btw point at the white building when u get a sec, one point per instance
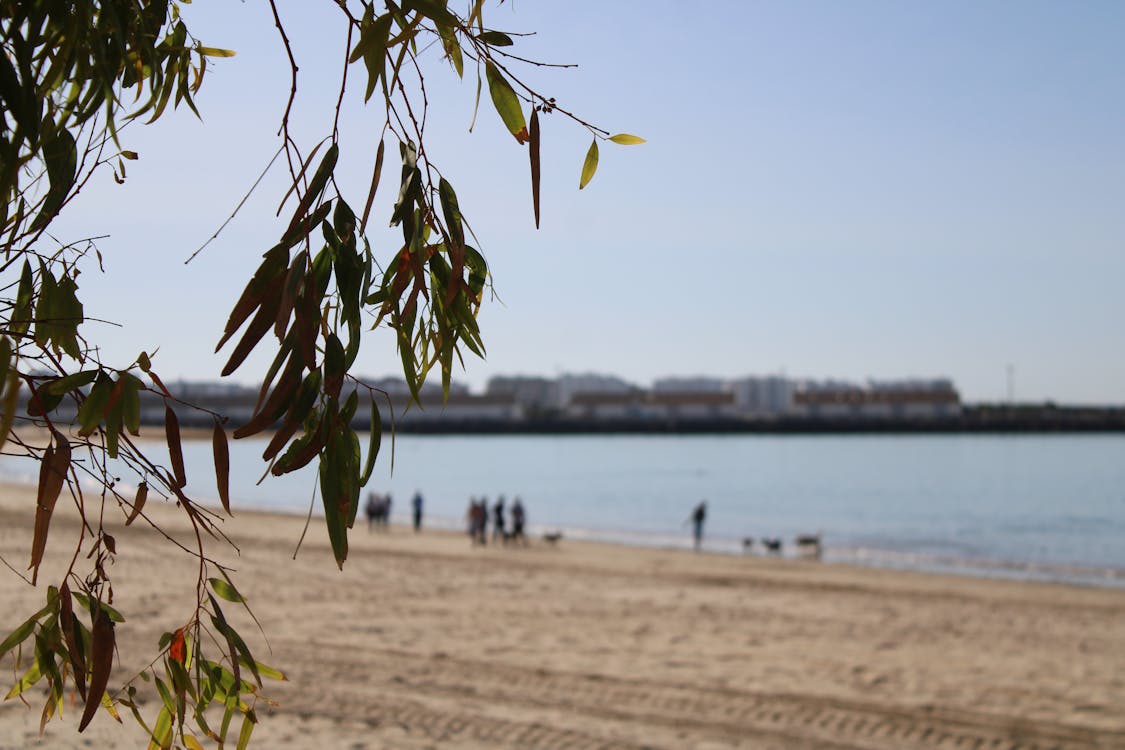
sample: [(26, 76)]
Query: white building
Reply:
[(766, 396), (534, 394)]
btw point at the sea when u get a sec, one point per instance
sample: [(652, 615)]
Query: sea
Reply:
[(1046, 507)]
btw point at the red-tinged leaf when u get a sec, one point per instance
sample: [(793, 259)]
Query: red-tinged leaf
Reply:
[(159, 383), (52, 473), (280, 438), (138, 503), (277, 402), (262, 322), (222, 464), (177, 649), (258, 289), (533, 151), (175, 447), (101, 662), (69, 627)]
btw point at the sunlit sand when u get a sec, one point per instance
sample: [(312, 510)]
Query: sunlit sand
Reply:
[(423, 641)]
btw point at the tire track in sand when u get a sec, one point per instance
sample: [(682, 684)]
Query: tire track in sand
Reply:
[(723, 716)]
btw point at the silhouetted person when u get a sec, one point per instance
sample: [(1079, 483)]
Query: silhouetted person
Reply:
[(475, 517), (371, 509), (518, 519), (498, 526), (417, 503), (698, 516), (482, 519)]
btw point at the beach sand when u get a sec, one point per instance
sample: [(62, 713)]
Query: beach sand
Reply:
[(425, 642)]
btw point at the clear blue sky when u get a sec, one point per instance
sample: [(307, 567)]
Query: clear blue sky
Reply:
[(849, 190)]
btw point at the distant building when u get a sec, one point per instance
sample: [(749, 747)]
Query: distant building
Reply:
[(396, 386), (648, 405), (460, 407), (691, 405), (905, 399), (536, 395), (694, 384), (763, 397), (571, 385)]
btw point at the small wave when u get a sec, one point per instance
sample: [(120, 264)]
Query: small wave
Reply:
[(991, 567)]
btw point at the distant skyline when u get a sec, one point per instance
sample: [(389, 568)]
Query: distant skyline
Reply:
[(835, 190)]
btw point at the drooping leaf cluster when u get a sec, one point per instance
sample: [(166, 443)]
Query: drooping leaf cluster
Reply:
[(74, 76)]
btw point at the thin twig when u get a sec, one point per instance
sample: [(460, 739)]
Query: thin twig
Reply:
[(238, 207)]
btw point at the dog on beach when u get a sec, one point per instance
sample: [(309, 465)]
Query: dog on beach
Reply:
[(809, 544), (772, 545), (552, 538)]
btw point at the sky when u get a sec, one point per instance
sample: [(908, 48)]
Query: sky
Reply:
[(828, 190)]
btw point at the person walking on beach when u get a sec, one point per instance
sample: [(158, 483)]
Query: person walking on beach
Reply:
[(518, 518), (482, 520), (475, 519), (385, 512), (371, 508), (417, 503), (697, 517), (498, 527)]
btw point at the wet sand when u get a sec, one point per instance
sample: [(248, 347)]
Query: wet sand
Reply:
[(423, 641)]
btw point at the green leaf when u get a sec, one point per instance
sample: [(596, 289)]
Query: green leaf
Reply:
[(495, 38), (332, 497), (85, 601), (90, 413), (226, 590), (267, 671), (451, 212), (60, 154), (130, 404), (216, 52), (373, 40), (506, 102), (625, 139), (476, 103), (162, 734), (19, 635), (374, 441), (68, 383), (590, 165), (21, 313), (29, 678), (247, 727)]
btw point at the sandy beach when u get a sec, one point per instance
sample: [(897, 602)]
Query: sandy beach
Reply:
[(423, 641)]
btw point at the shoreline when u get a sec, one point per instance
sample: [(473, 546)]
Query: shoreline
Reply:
[(865, 555), (423, 641)]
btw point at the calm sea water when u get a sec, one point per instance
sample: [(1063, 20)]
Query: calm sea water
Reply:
[(1036, 506)]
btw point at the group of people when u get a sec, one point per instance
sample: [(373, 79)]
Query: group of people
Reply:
[(378, 510), (477, 521)]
